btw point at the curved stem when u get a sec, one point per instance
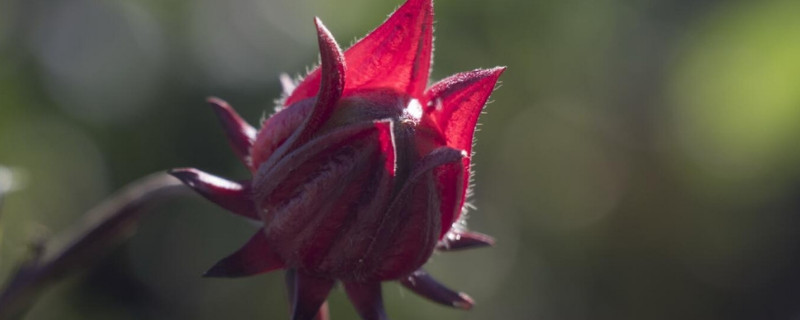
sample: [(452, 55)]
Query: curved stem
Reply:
[(104, 226)]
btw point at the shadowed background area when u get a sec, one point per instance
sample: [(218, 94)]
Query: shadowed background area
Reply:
[(640, 160)]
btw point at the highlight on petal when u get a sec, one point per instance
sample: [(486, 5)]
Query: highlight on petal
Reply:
[(230, 195), (421, 283), (461, 240), (367, 299), (287, 84), (387, 146), (308, 295), (240, 134), (396, 55), (253, 258)]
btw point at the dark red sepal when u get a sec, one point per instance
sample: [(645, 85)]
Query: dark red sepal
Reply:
[(240, 134), (330, 90), (230, 195), (462, 240), (291, 283), (255, 257), (421, 283), (367, 299), (308, 294)]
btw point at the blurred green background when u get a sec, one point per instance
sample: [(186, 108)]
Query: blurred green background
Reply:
[(640, 161)]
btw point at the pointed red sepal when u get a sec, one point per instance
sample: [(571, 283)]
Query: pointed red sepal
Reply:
[(240, 134), (307, 294), (456, 102), (330, 90), (421, 283), (255, 257), (454, 105), (230, 195), (462, 240), (331, 85), (367, 299), (396, 55)]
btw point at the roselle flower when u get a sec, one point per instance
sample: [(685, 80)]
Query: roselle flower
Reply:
[(361, 173)]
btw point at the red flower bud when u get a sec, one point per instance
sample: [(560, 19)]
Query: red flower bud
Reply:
[(361, 174)]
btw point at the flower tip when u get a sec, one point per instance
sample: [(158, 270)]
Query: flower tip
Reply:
[(240, 134), (498, 70), (492, 73), (466, 302), (326, 40), (217, 102), (185, 175), (231, 195), (462, 240), (332, 82), (329, 48), (427, 5), (215, 272), (479, 239)]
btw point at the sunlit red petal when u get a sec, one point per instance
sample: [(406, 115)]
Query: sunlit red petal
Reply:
[(240, 134), (456, 102), (454, 105), (233, 196), (421, 283), (462, 240), (396, 55), (367, 299), (255, 257)]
